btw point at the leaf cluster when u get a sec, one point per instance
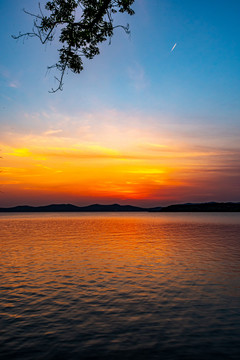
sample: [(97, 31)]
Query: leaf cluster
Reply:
[(83, 25)]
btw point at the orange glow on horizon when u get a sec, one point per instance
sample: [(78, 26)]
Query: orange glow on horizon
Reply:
[(51, 167)]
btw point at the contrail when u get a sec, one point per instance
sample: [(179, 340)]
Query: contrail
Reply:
[(174, 47)]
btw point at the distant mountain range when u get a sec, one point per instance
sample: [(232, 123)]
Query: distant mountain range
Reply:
[(202, 207)]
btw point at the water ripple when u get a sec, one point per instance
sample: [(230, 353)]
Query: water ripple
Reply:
[(131, 286)]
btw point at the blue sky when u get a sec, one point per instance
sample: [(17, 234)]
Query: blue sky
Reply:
[(200, 76), (189, 95)]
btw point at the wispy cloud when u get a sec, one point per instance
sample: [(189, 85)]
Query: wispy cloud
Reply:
[(14, 84), (53, 132), (137, 77)]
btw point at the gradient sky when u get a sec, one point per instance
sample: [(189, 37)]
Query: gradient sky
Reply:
[(146, 123)]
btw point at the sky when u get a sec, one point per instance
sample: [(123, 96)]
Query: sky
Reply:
[(153, 120)]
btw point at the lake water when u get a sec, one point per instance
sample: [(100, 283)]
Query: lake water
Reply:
[(120, 286)]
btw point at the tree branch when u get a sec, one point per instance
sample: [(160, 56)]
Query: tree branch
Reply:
[(78, 38)]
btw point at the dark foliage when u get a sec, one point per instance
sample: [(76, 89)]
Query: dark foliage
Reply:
[(82, 25)]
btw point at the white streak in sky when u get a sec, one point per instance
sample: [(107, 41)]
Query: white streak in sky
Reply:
[(174, 47)]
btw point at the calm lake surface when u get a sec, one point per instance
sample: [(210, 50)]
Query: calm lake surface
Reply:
[(120, 286)]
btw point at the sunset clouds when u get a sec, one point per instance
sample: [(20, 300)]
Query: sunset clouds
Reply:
[(114, 161)]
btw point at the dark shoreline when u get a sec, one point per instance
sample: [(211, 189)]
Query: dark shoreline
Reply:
[(202, 207)]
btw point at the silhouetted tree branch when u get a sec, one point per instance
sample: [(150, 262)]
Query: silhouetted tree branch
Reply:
[(83, 24)]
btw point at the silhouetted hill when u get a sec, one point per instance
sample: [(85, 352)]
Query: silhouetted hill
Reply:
[(113, 207), (73, 208), (202, 207)]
